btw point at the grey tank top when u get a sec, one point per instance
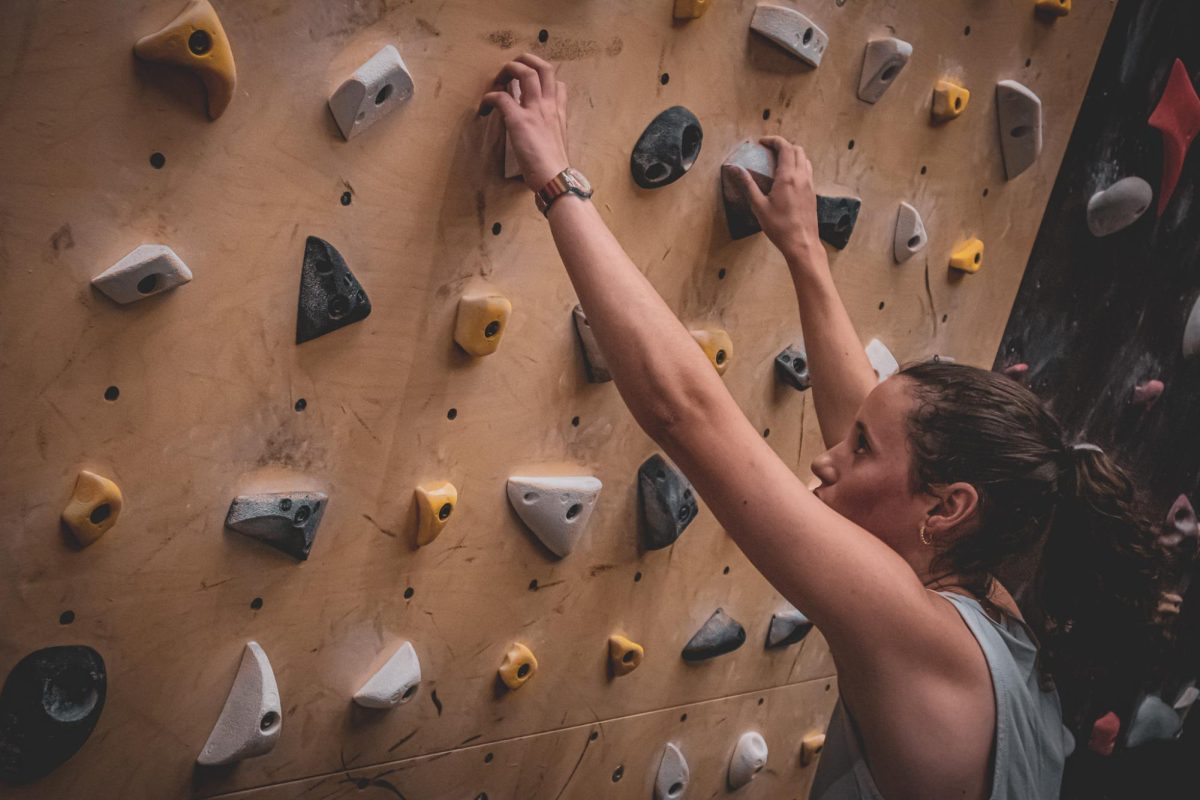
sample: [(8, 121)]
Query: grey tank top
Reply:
[(1030, 743)]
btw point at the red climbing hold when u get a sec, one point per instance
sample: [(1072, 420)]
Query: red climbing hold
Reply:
[(1104, 734), (1177, 115), (1146, 393), (1016, 371)]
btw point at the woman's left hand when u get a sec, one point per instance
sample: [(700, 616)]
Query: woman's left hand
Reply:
[(537, 123)]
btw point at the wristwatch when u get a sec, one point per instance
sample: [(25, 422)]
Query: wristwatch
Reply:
[(569, 180)]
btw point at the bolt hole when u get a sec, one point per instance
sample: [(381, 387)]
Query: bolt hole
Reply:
[(913, 242), (720, 356), (285, 504), (301, 404), (157, 160), (808, 35), (256, 603), (496, 228), (383, 94), (850, 145), (958, 104), (766, 432), (664, 79), (889, 73), (1028, 62), (200, 42), (302, 515), (978, 257), (147, 284), (522, 670), (924, 169), (683, 717), (985, 192), (628, 657), (346, 198), (324, 266), (575, 422), (533, 585), (945, 317), (444, 511), (409, 692), (492, 329), (1021, 131), (574, 510), (766, 113), (967, 31), (452, 413), (594, 736), (721, 274), (637, 576), (112, 393), (339, 306), (618, 773), (543, 35), (676, 789), (66, 618), (268, 721), (487, 759), (408, 593), (760, 700), (100, 513), (881, 305), (725, 571), (684, 513), (657, 171)]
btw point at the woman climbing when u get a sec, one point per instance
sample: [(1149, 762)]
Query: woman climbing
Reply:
[(939, 485)]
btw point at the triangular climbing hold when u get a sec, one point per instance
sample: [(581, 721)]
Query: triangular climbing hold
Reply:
[(252, 718), (146, 270), (1177, 115), (671, 779), (1019, 114), (378, 86), (882, 61), (721, 634), (795, 33), (749, 758), (196, 40), (556, 509), (787, 627), (910, 237), (666, 501), (330, 296), (286, 521), (836, 217), (396, 682), (791, 367)]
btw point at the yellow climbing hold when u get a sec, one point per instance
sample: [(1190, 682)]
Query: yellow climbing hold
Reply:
[(93, 508), (624, 655), (482, 318), (969, 256), (195, 40), (949, 100), (435, 504), (811, 747), (693, 9), (1052, 8), (717, 345), (518, 666)]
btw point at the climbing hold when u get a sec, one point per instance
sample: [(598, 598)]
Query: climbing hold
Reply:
[(836, 217), (1181, 525), (556, 509), (749, 757), (330, 296), (593, 358), (671, 780), (195, 40), (1118, 206), (1104, 734), (717, 345), (435, 504), (666, 502), (759, 161), (666, 149), (147, 270), (1146, 393), (1052, 8), (1191, 332), (968, 256), (787, 627), (1177, 116), (811, 747), (882, 360), (518, 666), (791, 367), (624, 655), (1016, 371), (791, 30), (721, 634), (1068, 741), (395, 683), (512, 167), (287, 521), (252, 718), (1153, 721), (911, 236), (691, 9), (50, 704), (93, 508), (949, 100), (482, 318), (377, 87), (882, 61), (1019, 112)]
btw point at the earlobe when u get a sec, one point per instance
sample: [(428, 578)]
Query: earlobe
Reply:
[(958, 503)]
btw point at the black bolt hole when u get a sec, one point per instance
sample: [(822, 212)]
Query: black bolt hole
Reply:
[(725, 571), (721, 274), (766, 113), (492, 329), (200, 42), (100, 513), (593, 736), (408, 593), (66, 618), (522, 670), (269, 720), (690, 145), (850, 145), (383, 94), (409, 692), (683, 717), (147, 284), (487, 759), (157, 160), (766, 432), (444, 511), (496, 228), (924, 169), (575, 422), (112, 393), (664, 79), (574, 510), (543, 35), (808, 35), (914, 241), (657, 171), (618, 773), (339, 306), (889, 73), (761, 700), (533, 585), (452, 413), (881, 305), (302, 515), (256, 603), (637, 576), (967, 31), (628, 657), (720, 356), (346, 198), (301, 404)]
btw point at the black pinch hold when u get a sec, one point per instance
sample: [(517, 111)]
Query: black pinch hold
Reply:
[(667, 149), (836, 217), (666, 503), (49, 707), (791, 367), (720, 635), (330, 296), (286, 521)]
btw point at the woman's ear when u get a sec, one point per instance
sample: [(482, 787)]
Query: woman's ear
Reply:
[(958, 503)]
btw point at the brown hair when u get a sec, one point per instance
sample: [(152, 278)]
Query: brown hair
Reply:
[(1092, 596)]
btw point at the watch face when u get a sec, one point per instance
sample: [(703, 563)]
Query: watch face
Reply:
[(576, 179)]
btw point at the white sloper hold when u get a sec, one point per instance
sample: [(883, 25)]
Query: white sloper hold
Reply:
[(396, 681), (791, 30), (787, 627), (1118, 206), (882, 61), (1019, 112), (882, 360), (749, 757), (911, 236), (557, 509), (147, 270), (1153, 721), (252, 718), (671, 780), (1191, 332), (377, 87)]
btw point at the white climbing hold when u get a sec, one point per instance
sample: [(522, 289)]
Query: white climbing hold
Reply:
[(1019, 112), (147, 270), (787, 627), (1186, 699), (671, 780), (882, 61), (1153, 721), (512, 167), (791, 30), (252, 718), (1191, 332), (377, 87), (749, 757), (396, 681), (1118, 206), (882, 360), (557, 509), (911, 236)]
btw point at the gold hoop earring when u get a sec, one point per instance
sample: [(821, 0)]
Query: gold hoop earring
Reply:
[(925, 537)]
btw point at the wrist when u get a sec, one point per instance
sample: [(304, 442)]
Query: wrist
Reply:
[(804, 257)]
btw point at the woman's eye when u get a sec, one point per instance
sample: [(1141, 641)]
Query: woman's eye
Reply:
[(860, 444)]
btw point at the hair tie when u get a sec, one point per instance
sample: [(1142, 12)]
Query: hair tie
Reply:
[(1086, 446)]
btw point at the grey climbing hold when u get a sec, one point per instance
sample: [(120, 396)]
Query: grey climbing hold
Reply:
[(1019, 112), (791, 367), (787, 627), (671, 779), (593, 358), (556, 509), (759, 161), (330, 296), (666, 501), (882, 61), (378, 86), (287, 521), (749, 758), (1191, 332), (791, 30), (50, 704), (1118, 206), (911, 236), (666, 149), (836, 217), (252, 717), (720, 635), (145, 271), (1153, 721)]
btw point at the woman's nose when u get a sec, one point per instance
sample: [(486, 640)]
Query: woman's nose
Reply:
[(822, 467)]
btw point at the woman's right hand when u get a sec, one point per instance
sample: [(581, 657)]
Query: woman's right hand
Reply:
[(788, 215), (537, 123)]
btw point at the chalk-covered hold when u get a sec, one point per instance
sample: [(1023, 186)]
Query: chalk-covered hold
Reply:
[(721, 634), (949, 100), (94, 507), (717, 345), (1019, 112), (146, 270), (910, 237), (1118, 206), (787, 627), (252, 718), (968, 256), (883, 59), (330, 295), (759, 161), (288, 521), (593, 357), (882, 360), (396, 681), (518, 666), (671, 779), (666, 502), (791, 367), (836, 217), (624, 655), (749, 758), (791, 30), (377, 87), (1153, 721), (556, 509), (196, 40), (667, 149)]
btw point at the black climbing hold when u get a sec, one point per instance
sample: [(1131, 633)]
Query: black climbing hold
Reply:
[(330, 296), (720, 635), (667, 148), (286, 521), (836, 217), (666, 502), (791, 366), (50, 704)]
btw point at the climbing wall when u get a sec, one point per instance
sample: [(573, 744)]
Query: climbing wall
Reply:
[(192, 397)]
